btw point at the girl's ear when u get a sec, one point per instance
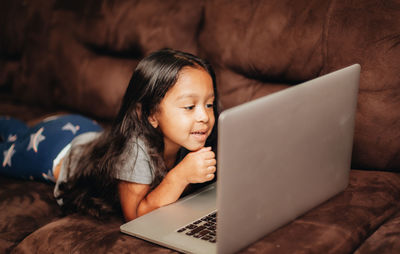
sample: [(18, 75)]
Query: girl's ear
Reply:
[(153, 121)]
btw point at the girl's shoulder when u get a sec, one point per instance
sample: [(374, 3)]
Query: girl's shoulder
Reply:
[(136, 146), (141, 143)]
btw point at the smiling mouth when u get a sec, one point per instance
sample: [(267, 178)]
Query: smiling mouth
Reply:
[(200, 135)]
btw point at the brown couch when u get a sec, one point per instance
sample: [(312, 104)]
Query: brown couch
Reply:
[(61, 56)]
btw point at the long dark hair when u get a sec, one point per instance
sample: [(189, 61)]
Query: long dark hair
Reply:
[(93, 188)]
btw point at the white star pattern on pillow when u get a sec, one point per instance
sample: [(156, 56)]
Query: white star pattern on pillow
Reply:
[(12, 138), (8, 155), (70, 127), (36, 138)]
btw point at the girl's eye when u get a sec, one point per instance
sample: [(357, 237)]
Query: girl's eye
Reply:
[(189, 107), (210, 105)]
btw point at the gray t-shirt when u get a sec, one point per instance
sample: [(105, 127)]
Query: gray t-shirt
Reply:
[(134, 164)]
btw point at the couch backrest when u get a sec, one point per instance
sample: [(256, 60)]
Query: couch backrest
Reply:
[(80, 55), (258, 47)]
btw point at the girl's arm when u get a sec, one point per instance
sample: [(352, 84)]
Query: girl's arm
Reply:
[(130, 195), (137, 199)]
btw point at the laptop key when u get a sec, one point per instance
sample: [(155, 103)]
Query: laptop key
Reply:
[(198, 229), (191, 226), (204, 228), (206, 238)]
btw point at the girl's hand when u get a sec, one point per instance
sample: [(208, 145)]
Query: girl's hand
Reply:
[(198, 167)]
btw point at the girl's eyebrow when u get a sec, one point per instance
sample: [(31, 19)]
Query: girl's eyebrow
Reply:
[(195, 96)]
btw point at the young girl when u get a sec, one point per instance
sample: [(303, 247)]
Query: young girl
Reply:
[(161, 142)]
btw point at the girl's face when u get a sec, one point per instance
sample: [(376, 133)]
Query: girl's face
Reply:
[(186, 115)]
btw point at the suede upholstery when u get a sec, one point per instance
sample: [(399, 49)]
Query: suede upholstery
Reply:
[(265, 46), (59, 56)]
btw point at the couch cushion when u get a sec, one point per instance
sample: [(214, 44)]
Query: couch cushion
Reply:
[(339, 225), (30, 114), (79, 234), (260, 47), (86, 53), (25, 206), (16, 20), (385, 240), (365, 33)]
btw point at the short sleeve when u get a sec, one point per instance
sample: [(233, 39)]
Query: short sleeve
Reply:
[(135, 165)]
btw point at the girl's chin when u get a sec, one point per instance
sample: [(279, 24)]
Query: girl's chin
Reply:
[(194, 148)]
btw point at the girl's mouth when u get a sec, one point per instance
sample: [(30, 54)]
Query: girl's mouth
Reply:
[(199, 132), (199, 135)]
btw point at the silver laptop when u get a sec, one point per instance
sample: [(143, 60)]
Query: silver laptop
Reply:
[(278, 157)]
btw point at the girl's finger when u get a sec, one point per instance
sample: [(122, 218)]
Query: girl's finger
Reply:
[(210, 177), (211, 162), (211, 169)]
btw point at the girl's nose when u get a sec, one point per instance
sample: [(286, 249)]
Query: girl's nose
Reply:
[(202, 115)]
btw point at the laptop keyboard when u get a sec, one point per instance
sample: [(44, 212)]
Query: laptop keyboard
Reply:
[(204, 228)]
